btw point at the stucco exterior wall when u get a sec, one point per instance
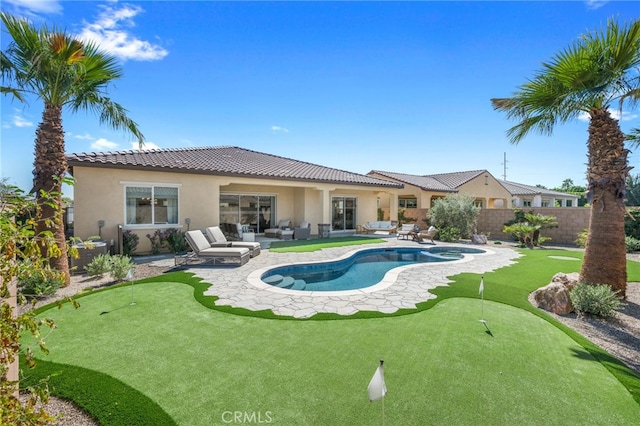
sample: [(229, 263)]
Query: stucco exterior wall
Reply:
[(487, 189), (99, 194)]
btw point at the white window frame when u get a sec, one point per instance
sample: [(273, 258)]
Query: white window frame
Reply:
[(153, 224)]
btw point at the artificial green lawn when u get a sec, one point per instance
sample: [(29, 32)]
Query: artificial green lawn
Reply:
[(441, 366), (299, 246)]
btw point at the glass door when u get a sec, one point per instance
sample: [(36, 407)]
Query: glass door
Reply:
[(343, 213)]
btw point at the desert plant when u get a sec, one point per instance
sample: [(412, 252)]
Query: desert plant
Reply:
[(175, 240), (449, 235), (130, 242), (120, 266), (632, 244), (599, 300), (99, 265), (455, 211), (40, 283), (523, 232), (156, 241), (581, 241)]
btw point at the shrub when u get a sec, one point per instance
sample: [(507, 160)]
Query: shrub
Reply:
[(130, 242), (99, 266), (599, 300), (581, 241), (455, 211), (632, 244), (120, 266), (176, 241), (40, 283), (449, 235)]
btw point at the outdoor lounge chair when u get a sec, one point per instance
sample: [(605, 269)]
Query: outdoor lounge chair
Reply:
[(202, 250), (407, 230), (427, 235), (217, 239), (302, 232)]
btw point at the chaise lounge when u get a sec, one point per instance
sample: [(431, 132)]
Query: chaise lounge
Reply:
[(224, 255), (217, 239), (407, 230)]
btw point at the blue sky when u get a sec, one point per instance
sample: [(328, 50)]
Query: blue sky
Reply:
[(394, 86)]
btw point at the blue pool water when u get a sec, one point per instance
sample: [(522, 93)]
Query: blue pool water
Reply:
[(363, 269)]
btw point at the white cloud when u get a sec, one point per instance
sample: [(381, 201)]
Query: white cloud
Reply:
[(146, 147), (110, 34), (31, 7), (596, 4), (278, 129), (20, 121), (86, 137), (103, 144), (615, 113)]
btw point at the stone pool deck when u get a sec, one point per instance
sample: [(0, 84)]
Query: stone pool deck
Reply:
[(404, 287)]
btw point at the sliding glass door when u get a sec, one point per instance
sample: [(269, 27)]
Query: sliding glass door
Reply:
[(343, 213), (255, 211)]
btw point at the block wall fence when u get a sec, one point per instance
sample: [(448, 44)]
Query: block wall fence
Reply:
[(571, 221)]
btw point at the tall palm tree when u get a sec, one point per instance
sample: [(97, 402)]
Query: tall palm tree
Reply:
[(63, 72), (599, 69)]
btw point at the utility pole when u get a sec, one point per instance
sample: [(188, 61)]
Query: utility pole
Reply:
[(504, 164)]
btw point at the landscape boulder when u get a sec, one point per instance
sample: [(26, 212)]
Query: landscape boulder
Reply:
[(554, 297)]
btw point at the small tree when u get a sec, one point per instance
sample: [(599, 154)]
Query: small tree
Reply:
[(455, 211), (20, 255)]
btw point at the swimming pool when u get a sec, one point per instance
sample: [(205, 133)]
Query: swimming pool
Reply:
[(363, 269)]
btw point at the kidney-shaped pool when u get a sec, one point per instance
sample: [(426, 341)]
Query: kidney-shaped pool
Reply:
[(363, 269)]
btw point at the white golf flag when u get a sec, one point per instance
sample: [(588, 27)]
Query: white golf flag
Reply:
[(377, 388), (481, 286)]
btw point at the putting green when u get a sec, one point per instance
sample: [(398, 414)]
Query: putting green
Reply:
[(202, 366)]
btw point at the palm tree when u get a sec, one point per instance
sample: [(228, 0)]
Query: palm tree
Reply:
[(64, 73), (598, 69)]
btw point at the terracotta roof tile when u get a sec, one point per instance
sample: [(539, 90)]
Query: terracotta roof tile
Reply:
[(223, 160)]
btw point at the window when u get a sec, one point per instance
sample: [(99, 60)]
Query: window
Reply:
[(478, 203), (408, 203), (526, 203), (151, 205)]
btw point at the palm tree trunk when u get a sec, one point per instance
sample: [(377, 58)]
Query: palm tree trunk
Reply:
[(50, 166), (605, 260)]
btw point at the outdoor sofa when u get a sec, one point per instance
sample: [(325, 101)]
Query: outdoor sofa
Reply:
[(380, 226)]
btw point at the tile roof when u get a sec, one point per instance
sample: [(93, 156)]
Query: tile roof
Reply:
[(225, 161), (450, 182), (527, 190), (444, 182)]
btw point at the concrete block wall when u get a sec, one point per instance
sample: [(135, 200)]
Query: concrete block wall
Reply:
[(571, 221)]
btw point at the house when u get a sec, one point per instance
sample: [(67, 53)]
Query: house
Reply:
[(420, 192), (533, 196), (194, 188)]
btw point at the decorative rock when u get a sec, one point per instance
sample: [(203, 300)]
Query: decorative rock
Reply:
[(554, 297), (478, 239)]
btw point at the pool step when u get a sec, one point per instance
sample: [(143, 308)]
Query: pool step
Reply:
[(299, 285), (273, 279), (286, 282)]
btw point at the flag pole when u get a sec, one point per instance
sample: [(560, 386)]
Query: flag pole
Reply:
[(382, 367), (481, 291)]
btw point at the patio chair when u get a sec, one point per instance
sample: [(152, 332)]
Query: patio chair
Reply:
[(217, 239), (427, 235), (407, 230), (302, 232), (202, 250)]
